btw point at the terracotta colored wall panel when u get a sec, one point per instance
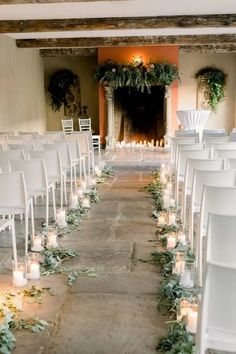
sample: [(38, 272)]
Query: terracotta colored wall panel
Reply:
[(148, 53)]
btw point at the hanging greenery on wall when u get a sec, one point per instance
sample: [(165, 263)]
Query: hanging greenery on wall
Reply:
[(63, 87), (212, 84), (136, 74)]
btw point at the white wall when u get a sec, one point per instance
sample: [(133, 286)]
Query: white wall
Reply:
[(189, 64), (22, 98)]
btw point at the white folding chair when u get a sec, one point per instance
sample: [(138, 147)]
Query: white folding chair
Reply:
[(221, 240), (14, 199), (6, 156), (24, 146), (209, 141), (33, 134), (86, 149), (183, 133), (179, 140), (217, 319), (232, 136), (76, 155), (213, 132), (36, 181), (84, 124), (183, 156), (214, 200), (231, 163), (225, 153), (221, 178), (186, 146), (67, 126), (53, 165), (199, 164)]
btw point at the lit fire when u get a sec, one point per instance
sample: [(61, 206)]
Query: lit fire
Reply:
[(140, 144)]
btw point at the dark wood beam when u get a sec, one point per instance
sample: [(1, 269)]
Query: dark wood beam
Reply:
[(126, 41), (68, 52), (213, 48), (88, 24)]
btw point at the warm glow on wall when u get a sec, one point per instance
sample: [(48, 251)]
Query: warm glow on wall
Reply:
[(137, 60)]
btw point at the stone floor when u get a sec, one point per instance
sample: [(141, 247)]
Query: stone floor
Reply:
[(114, 312)]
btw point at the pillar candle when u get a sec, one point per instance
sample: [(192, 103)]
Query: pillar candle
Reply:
[(192, 321), (171, 242)]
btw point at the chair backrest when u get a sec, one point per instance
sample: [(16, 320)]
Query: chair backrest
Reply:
[(51, 159), (213, 132), (218, 310), (64, 151), (6, 156), (25, 146), (220, 178), (185, 154), (50, 137), (74, 147), (33, 134), (226, 153), (232, 163), (13, 191), (67, 126), (183, 133), (84, 124), (200, 164), (83, 142), (220, 199), (221, 240), (34, 172), (217, 139), (232, 136), (179, 140), (186, 146), (38, 143), (22, 137)]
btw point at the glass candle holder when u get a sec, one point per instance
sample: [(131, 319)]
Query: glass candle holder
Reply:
[(83, 186), (172, 219), (74, 200), (179, 264), (80, 193), (192, 319), (37, 243), (181, 237), (61, 218), (52, 237), (161, 219), (85, 203), (92, 182), (97, 171), (171, 241), (187, 277), (20, 272), (33, 266), (184, 307)]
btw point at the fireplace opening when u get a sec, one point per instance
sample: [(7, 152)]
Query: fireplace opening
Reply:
[(139, 115)]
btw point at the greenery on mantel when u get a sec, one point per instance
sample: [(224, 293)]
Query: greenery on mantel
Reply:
[(212, 83), (136, 74), (60, 86)]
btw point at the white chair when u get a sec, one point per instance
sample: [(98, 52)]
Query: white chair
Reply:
[(36, 181), (221, 240), (183, 133), (6, 156), (25, 147), (33, 134), (53, 165), (14, 199), (186, 146), (23, 137), (49, 137), (231, 163), (232, 136), (213, 132), (76, 155), (67, 126), (199, 164), (181, 165), (10, 223), (84, 124), (209, 141), (225, 153), (221, 178), (179, 140), (86, 149), (217, 319), (214, 200)]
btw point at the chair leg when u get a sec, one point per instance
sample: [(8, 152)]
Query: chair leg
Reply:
[(54, 203), (13, 235), (75, 185), (26, 230), (32, 217), (61, 191), (71, 177), (47, 208), (64, 185), (84, 170)]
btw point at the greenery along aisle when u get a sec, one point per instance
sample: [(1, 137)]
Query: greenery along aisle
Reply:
[(177, 295)]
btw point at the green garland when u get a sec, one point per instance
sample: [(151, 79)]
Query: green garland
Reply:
[(136, 75), (212, 82)]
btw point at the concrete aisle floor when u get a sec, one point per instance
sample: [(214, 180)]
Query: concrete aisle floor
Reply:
[(115, 312)]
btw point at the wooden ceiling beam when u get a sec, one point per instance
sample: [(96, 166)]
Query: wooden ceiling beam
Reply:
[(68, 52), (213, 48), (112, 23), (126, 41)]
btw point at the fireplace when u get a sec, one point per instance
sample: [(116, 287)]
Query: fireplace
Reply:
[(139, 116), (133, 115)]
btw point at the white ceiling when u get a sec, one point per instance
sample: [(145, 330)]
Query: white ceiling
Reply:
[(128, 8)]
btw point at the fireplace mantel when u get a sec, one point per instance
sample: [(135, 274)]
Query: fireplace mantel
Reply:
[(110, 137)]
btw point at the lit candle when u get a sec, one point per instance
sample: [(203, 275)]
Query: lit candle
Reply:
[(18, 278), (37, 243), (157, 143), (185, 279), (169, 187), (34, 271), (163, 179), (74, 200), (172, 218), (52, 240), (161, 220), (172, 202), (152, 142), (83, 185), (80, 192), (192, 321), (86, 203), (185, 307), (171, 242), (97, 171), (179, 267), (92, 182), (61, 218), (163, 165)]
